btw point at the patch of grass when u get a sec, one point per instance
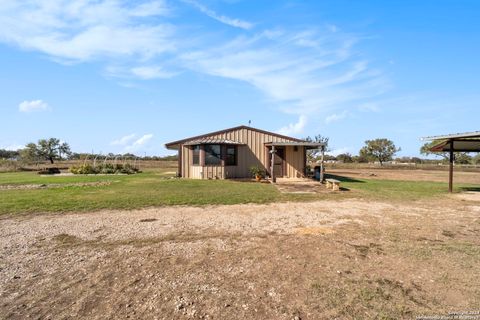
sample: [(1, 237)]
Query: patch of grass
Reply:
[(367, 298), (465, 252), (397, 189), (126, 192), (154, 188)]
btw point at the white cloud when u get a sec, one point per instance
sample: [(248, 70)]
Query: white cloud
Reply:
[(81, 30), (123, 140), (338, 151), (294, 128), (336, 117), (144, 139), (369, 107), (307, 73), (233, 22), (13, 147), (151, 72), (33, 105), (137, 144)]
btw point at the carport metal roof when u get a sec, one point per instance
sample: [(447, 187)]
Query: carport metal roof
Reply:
[(457, 142)]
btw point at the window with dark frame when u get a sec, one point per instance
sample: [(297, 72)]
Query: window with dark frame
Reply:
[(196, 155), (213, 154), (231, 156)]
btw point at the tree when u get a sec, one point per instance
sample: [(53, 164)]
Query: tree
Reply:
[(313, 154), (345, 158), (379, 149), (463, 158), (476, 159), (8, 154), (29, 153), (51, 149)]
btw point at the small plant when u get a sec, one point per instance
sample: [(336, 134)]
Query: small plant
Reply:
[(107, 168), (257, 172)]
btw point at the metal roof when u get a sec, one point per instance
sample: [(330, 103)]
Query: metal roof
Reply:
[(175, 144), (472, 145), (211, 141), (457, 142), (474, 134)]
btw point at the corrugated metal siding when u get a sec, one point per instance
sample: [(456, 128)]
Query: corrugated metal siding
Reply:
[(196, 172), (253, 153), (295, 162)]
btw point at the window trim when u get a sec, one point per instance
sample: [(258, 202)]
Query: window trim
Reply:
[(199, 155)]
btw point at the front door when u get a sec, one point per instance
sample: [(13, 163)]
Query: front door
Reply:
[(279, 162)]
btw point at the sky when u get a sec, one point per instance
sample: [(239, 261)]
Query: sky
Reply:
[(129, 76)]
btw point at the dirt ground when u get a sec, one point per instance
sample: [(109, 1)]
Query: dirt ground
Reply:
[(408, 175), (348, 259)]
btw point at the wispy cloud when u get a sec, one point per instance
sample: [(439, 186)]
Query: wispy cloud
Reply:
[(33, 105), (151, 72), (369, 107), (336, 117), (137, 144), (308, 73), (233, 22), (294, 128), (123, 140), (79, 30)]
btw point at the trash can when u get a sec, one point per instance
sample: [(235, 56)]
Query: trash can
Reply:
[(317, 173)]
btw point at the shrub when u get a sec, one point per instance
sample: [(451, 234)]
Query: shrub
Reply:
[(257, 171), (84, 169), (107, 168)]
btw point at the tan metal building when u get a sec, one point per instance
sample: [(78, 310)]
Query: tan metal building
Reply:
[(230, 153)]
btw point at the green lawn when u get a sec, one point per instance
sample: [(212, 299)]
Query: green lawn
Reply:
[(155, 188), (396, 190), (125, 192)]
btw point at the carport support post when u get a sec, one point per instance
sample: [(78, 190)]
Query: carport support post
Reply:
[(274, 179), (450, 174), (321, 164)]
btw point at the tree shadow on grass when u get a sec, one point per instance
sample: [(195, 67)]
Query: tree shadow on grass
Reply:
[(342, 178), (471, 189)]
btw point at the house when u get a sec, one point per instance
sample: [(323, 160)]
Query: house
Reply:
[(230, 153)]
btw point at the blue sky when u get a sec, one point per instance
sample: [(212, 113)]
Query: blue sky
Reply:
[(125, 76)]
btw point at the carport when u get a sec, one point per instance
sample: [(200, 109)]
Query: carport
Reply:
[(451, 143)]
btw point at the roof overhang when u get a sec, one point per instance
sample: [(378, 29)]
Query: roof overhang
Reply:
[(212, 141), (457, 146), (466, 135), (306, 144), (458, 142)]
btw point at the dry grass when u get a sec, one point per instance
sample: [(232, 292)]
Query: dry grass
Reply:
[(348, 259)]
